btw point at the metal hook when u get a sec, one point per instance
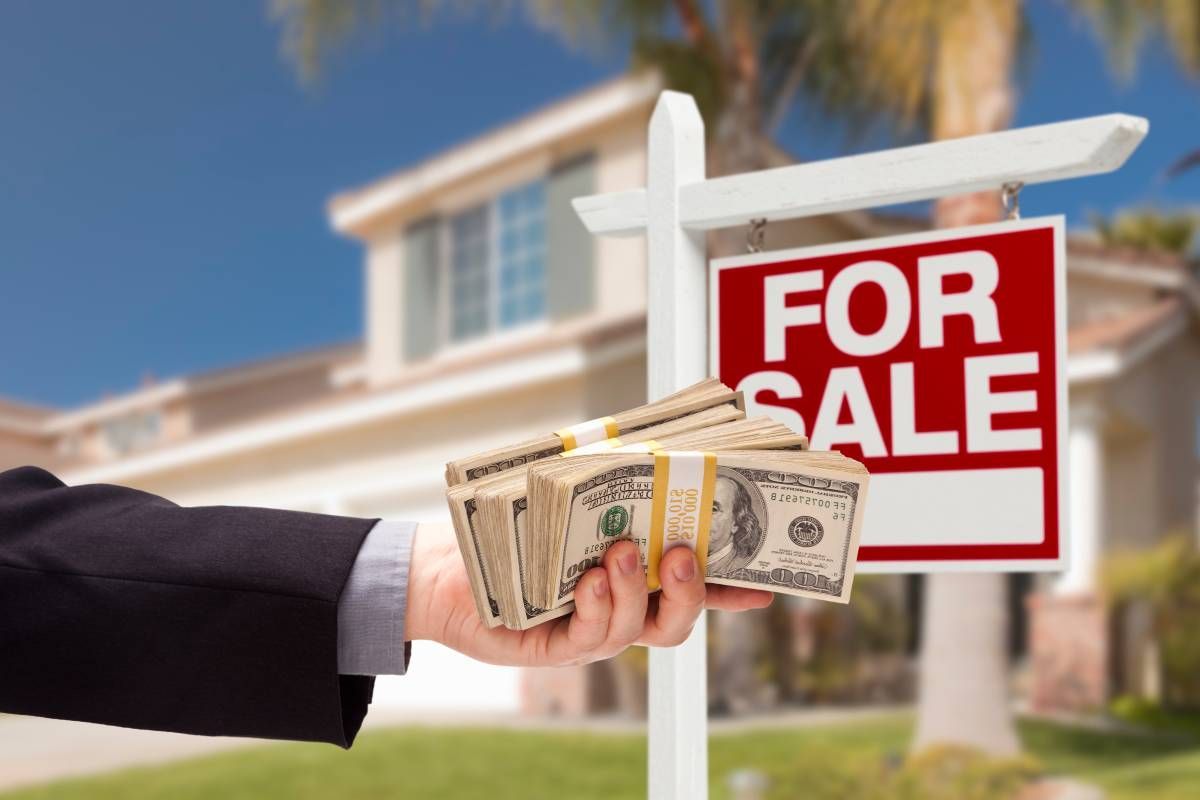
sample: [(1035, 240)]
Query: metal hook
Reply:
[(756, 237), (1010, 198)]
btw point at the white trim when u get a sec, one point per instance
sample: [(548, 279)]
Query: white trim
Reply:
[(499, 376), (1128, 271), (494, 340), (1094, 366), (351, 212), (1098, 365)]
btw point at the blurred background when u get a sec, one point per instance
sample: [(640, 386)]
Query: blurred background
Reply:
[(300, 254)]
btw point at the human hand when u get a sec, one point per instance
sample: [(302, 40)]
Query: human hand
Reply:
[(613, 608)]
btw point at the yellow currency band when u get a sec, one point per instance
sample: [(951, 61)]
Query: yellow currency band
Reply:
[(585, 433), (648, 446), (681, 509), (602, 446)]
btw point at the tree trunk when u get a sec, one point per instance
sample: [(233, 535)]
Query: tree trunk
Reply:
[(964, 667), (963, 686), (739, 640)]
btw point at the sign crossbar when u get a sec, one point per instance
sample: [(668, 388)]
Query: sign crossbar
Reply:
[(1037, 154)]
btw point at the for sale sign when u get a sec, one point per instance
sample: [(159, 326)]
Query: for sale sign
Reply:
[(939, 360)]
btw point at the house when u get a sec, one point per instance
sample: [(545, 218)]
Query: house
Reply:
[(1134, 459), (492, 316)]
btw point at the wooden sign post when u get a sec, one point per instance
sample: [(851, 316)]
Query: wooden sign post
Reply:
[(676, 208)]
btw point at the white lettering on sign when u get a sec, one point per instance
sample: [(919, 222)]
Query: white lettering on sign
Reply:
[(845, 387), (983, 403), (784, 385), (896, 317), (976, 302), (780, 316)]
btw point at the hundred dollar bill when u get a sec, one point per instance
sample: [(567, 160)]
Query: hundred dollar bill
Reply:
[(488, 562), (782, 521), (509, 548)]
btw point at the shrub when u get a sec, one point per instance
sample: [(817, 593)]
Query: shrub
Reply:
[(1167, 579), (938, 773)]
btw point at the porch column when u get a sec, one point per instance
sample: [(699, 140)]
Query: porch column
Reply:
[(1086, 490), (1068, 630)]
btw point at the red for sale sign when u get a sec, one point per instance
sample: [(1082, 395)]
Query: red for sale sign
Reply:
[(939, 360)]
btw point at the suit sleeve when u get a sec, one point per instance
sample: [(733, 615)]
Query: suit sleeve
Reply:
[(121, 608)]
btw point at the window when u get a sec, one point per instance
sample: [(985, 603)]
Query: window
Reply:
[(469, 271), (497, 263), (522, 255), (132, 431)]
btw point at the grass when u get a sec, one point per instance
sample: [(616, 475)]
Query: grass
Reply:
[(450, 763)]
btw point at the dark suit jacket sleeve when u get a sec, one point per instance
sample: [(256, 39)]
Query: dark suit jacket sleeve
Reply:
[(122, 608)]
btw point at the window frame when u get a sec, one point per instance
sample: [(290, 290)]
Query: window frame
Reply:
[(446, 310)]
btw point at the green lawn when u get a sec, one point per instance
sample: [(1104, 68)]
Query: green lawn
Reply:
[(814, 764)]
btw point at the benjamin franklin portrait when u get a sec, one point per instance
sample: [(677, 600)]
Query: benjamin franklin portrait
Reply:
[(736, 533)]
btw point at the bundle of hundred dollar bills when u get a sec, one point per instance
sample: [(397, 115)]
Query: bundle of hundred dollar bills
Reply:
[(757, 506)]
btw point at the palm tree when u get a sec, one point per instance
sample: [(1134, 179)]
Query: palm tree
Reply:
[(942, 68), (1125, 26), (1151, 230)]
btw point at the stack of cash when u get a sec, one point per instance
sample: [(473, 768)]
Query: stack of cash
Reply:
[(760, 509), (706, 394)]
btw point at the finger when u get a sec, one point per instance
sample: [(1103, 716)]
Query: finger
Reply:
[(587, 628), (735, 598), (627, 581), (679, 603)]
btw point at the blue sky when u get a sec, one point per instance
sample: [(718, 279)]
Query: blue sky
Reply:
[(163, 175)]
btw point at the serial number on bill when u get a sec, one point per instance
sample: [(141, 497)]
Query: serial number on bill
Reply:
[(812, 502)]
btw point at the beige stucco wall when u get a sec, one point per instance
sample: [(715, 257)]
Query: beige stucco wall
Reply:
[(621, 262), (1150, 443), (383, 288), (17, 450)]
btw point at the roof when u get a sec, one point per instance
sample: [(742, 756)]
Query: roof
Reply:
[(22, 418), (1107, 348), (54, 421), (1126, 330), (355, 210)]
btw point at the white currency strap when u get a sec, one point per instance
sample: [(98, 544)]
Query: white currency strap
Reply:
[(602, 446), (590, 432), (686, 475)]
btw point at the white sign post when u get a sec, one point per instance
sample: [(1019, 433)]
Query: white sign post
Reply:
[(675, 209)]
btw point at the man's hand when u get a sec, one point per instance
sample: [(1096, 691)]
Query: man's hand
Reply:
[(612, 606)]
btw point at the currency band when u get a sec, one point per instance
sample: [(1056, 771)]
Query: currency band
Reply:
[(613, 445), (681, 509), (602, 446), (648, 446), (585, 433)]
